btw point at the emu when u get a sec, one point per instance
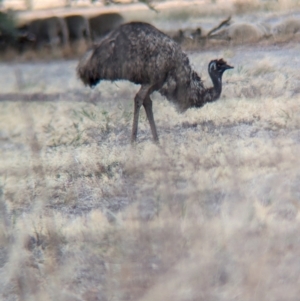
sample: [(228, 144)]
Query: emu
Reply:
[(142, 54)]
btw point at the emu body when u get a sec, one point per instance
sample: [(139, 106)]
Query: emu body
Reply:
[(140, 53)]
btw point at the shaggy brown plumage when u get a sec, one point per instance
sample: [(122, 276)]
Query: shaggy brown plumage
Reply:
[(142, 54)]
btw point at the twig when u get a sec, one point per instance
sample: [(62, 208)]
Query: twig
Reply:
[(223, 23), (150, 6)]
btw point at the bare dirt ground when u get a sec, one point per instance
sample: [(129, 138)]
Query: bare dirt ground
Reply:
[(212, 213)]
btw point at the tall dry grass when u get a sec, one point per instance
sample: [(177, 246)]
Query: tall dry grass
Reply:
[(212, 213)]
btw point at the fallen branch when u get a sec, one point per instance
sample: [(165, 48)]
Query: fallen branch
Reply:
[(223, 23), (148, 3)]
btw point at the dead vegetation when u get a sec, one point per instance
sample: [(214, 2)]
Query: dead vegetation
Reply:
[(234, 32), (211, 214), (233, 29)]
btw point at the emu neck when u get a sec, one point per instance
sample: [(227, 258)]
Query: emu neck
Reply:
[(211, 94), (217, 86)]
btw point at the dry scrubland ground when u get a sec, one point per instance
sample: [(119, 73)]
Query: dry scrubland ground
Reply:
[(210, 214)]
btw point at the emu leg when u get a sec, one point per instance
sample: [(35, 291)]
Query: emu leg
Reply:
[(138, 101), (148, 108)]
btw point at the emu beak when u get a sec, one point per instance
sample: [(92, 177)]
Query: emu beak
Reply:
[(225, 67)]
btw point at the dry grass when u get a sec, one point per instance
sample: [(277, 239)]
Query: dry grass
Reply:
[(246, 6), (210, 214)]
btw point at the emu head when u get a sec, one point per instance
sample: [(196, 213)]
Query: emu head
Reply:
[(216, 68)]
